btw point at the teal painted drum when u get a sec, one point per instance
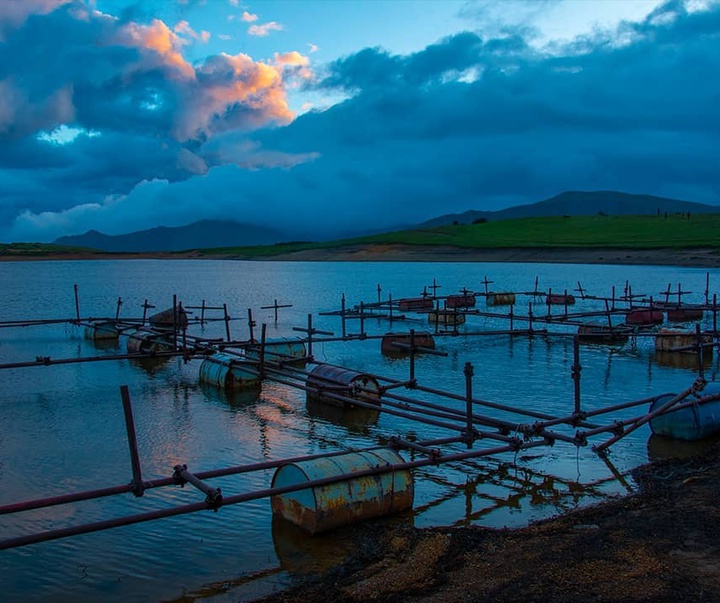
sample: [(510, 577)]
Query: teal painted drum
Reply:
[(287, 350), (692, 423), (228, 372), (147, 342), (327, 379), (106, 329), (320, 508)]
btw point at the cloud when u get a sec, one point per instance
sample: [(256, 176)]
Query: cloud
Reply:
[(248, 17), (264, 29), (183, 27), (471, 121)]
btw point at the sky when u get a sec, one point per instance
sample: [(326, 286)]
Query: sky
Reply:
[(326, 118)]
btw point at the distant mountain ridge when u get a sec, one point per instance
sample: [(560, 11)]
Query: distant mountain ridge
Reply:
[(198, 235), (580, 203)]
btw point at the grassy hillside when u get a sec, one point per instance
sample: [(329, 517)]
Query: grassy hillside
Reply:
[(32, 250), (632, 232)]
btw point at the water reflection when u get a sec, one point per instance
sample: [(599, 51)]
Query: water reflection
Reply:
[(357, 419), (232, 399), (662, 447)]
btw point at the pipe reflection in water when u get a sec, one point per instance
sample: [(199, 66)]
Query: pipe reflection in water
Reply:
[(679, 360), (357, 420)]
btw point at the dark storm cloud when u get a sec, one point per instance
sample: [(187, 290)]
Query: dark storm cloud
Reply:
[(473, 121)]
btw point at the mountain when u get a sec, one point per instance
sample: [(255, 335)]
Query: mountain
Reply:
[(580, 203), (198, 235)]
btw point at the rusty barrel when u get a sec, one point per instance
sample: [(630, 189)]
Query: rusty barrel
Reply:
[(691, 423), (147, 342), (460, 301), (446, 318), (102, 329), (228, 372), (326, 378), (320, 508), (168, 319), (282, 349), (603, 333), (560, 300), (416, 303), (423, 339), (644, 317), (684, 314), (667, 340), (500, 299)]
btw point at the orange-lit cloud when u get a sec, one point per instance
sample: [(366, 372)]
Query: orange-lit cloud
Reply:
[(159, 38), (297, 62), (183, 27), (264, 29), (249, 17)]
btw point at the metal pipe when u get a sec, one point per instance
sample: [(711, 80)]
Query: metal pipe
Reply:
[(136, 486)]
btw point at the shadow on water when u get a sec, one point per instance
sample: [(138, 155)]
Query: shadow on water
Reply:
[(357, 420), (662, 447), (232, 399)]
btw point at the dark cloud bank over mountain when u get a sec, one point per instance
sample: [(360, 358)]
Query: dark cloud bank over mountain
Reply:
[(467, 123)]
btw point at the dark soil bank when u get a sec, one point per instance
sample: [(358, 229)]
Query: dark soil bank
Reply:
[(660, 544)]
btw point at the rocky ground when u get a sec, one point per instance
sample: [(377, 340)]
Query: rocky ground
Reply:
[(660, 544)]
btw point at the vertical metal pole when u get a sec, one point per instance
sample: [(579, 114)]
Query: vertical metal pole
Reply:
[(536, 286), (700, 352), (530, 318), (667, 293), (707, 288), (226, 318), (468, 371), (715, 331), (276, 309), (137, 487), (511, 317), (412, 355), (566, 303), (184, 332), (263, 330), (547, 301), (607, 311), (379, 290), (576, 370), (117, 310), (251, 325), (310, 334), (362, 319), (202, 313), (175, 322), (77, 304), (145, 309), (613, 297), (342, 307)]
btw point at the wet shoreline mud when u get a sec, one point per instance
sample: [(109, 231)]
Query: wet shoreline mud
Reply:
[(661, 543), (696, 257)]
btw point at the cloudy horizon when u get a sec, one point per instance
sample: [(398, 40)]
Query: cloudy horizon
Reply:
[(119, 116)]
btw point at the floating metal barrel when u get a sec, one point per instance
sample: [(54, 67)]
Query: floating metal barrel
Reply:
[(105, 329), (446, 318), (353, 499), (460, 301), (167, 319), (668, 340), (416, 303), (692, 423), (603, 333), (500, 299), (560, 300), (423, 339), (644, 317), (145, 341), (684, 314), (229, 372), (283, 349), (326, 378)]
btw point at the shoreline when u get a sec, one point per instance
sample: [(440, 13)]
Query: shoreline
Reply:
[(699, 257)]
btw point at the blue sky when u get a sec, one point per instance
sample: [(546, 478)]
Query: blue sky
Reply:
[(322, 118)]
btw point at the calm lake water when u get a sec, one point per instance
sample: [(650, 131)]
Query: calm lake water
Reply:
[(62, 427)]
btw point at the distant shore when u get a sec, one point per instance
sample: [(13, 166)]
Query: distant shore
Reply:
[(701, 257)]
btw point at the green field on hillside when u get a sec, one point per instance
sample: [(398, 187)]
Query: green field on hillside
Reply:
[(629, 232)]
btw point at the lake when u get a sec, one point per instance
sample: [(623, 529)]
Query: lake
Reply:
[(62, 428)]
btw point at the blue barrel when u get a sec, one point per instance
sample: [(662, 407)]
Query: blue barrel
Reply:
[(289, 350), (147, 342), (321, 508), (228, 372), (102, 329), (692, 423)]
